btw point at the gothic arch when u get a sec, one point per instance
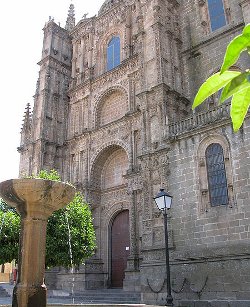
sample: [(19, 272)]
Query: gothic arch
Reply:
[(101, 99), (114, 210), (202, 170), (207, 140), (100, 157), (111, 200)]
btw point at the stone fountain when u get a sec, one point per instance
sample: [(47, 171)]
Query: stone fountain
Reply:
[(35, 200)]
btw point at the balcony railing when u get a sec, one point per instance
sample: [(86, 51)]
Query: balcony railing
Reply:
[(198, 120)]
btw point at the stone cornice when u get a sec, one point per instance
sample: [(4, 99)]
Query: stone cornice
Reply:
[(243, 2), (166, 87), (153, 152), (112, 125), (49, 59)]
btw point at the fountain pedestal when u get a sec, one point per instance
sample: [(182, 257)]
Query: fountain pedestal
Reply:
[(35, 200)]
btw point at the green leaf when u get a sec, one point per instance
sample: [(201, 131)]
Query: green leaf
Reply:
[(235, 85), (246, 30), (212, 85), (235, 47), (239, 107)]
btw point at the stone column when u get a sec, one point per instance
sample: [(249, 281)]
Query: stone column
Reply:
[(30, 289), (132, 273), (35, 200), (74, 61)]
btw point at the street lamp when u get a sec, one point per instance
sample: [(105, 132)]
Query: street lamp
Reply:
[(163, 201)]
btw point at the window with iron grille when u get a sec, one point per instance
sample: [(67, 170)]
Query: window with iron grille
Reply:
[(216, 14), (113, 53), (216, 174)]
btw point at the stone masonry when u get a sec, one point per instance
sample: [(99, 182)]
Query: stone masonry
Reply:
[(121, 134)]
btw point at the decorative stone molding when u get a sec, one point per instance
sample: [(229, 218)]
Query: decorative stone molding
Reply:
[(198, 120), (101, 99), (203, 181), (98, 152)]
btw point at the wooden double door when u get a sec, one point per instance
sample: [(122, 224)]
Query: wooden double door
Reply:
[(120, 245)]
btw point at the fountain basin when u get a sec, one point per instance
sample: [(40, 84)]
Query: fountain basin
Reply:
[(35, 200), (36, 196)]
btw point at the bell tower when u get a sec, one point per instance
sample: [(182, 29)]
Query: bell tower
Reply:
[(42, 148)]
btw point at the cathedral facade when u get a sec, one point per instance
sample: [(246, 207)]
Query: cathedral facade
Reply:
[(112, 114)]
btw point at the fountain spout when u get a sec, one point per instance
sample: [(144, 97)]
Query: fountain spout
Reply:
[(35, 200)]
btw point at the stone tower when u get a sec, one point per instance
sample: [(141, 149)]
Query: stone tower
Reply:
[(44, 135), (112, 113)]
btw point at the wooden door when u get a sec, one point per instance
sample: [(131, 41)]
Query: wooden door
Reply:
[(120, 245)]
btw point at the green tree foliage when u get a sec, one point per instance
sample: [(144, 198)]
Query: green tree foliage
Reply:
[(9, 233), (235, 84), (51, 175), (82, 234), (74, 221)]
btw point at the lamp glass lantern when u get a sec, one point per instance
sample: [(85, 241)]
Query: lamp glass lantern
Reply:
[(163, 200)]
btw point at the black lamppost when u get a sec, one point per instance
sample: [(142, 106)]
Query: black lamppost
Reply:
[(164, 201)]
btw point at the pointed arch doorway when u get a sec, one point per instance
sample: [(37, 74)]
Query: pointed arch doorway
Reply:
[(120, 245)]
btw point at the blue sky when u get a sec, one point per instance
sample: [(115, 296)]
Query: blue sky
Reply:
[(21, 26)]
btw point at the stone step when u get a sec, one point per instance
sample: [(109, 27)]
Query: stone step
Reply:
[(116, 300), (82, 300), (100, 296), (103, 296)]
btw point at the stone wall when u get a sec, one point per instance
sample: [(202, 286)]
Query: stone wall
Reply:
[(210, 253), (140, 111)]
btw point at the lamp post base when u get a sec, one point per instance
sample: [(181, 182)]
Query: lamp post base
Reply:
[(169, 300)]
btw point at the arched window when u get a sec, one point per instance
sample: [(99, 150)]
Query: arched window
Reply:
[(216, 14), (113, 53), (216, 175)]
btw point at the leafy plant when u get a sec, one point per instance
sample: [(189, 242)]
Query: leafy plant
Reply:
[(82, 234), (77, 214), (44, 174), (9, 233), (235, 84)]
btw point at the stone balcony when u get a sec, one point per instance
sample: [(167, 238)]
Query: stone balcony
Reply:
[(198, 120)]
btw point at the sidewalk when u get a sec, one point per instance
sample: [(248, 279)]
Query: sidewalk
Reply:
[(60, 298), (6, 302), (68, 301)]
